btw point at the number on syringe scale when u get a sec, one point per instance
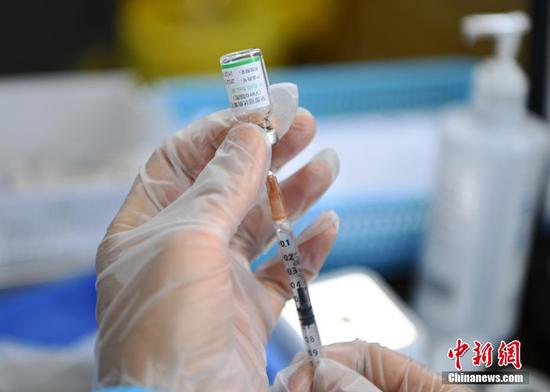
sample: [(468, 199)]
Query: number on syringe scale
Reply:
[(294, 285), (290, 257), (309, 339), (284, 243)]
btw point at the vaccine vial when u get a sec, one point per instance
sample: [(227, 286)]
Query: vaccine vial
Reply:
[(247, 86)]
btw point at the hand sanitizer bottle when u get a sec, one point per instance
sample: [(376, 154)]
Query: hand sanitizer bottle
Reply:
[(490, 171)]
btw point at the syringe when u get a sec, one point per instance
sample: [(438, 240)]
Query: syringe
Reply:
[(247, 86), (290, 257)]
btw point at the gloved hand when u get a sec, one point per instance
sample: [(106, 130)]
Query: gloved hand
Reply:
[(362, 367), (178, 306)]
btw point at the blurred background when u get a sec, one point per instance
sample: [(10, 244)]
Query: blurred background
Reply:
[(89, 88), (173, 37)]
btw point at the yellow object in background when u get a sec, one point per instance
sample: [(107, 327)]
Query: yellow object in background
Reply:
[(166, 37)]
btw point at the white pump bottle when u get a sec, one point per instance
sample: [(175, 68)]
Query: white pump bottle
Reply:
[(491, 166)]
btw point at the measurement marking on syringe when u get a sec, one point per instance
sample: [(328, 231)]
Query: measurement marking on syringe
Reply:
[(290, 258), (297, 283)]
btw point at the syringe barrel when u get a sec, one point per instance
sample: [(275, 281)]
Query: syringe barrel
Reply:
[(290, 256)]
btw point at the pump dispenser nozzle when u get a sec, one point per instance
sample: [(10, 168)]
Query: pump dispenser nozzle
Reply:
[(500, 85), (506, 28)]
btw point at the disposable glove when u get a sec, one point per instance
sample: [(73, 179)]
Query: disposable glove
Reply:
[(359, 367), (178, 306)]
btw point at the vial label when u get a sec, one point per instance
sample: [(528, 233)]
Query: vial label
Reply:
[(245, 84)]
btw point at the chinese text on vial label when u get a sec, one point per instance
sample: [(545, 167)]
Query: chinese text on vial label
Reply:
[(245, 83)]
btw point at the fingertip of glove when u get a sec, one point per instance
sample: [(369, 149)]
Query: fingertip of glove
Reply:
[(330, 158), (306, 114), (327, 220), (304, 123), (303, 111), (285, 98), (332, 217), (286, 88)]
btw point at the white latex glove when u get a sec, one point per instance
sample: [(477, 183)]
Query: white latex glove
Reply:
[(178, 306), (359, 367)]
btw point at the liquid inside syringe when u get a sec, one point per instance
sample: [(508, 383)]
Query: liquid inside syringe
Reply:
[(290, 256)]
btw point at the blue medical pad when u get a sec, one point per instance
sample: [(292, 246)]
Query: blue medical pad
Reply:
[(52, 314)]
